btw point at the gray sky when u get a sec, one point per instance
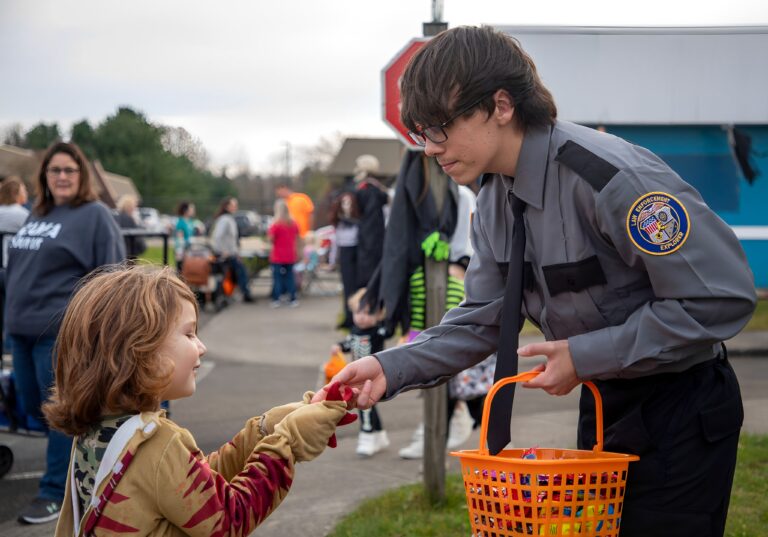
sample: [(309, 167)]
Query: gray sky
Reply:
[(247, 76)]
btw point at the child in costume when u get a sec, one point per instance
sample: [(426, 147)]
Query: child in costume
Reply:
[(365, 337), (129, 340)]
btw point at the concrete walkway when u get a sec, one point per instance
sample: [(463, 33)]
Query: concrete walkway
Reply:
[(285, 348)]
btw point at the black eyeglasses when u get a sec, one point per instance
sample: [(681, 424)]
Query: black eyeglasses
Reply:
[(55, 172), (436, 133)]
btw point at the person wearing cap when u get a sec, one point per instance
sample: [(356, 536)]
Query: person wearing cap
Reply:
[(634, 281), (372, 197)]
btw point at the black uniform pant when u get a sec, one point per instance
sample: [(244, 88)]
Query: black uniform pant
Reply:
[(348, 267), (685, 428)]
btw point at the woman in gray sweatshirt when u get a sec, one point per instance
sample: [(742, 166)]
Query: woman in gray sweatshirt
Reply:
[(68, 234)]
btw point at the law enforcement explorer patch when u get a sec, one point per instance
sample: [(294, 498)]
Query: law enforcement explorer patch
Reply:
[(658, 223)]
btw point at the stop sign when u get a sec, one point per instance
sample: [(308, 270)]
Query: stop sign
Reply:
[(390, 78)]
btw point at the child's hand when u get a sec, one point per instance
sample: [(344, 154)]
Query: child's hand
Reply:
[(309, 428), (274, 416), (335, 348)]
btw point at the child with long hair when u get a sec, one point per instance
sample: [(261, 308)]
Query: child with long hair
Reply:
[(284, 234), (128, 341)]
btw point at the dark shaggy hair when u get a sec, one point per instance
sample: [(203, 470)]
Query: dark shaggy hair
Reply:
[(465, 64)]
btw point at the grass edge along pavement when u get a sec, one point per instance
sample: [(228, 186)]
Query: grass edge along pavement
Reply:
[(406, 511)]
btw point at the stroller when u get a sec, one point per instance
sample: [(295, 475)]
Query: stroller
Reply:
[(13, 419), (207, 276)]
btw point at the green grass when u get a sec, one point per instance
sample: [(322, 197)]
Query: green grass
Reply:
[(759, 320), (154, 254), (748, 513), (405, 510)]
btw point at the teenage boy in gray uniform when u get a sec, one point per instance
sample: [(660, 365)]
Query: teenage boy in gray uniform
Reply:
[(633, 280)]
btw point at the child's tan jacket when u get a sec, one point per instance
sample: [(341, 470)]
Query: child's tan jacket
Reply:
[(166, 486)]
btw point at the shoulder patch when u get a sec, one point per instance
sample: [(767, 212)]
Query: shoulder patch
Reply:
[(593, 169), (657, 223)]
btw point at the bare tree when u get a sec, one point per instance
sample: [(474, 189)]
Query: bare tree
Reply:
[(13, 135), (320, 155), (178, 141)]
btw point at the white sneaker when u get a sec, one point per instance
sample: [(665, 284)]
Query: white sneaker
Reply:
[(415, 450), (460, 427), (274, 304), (368, 444)]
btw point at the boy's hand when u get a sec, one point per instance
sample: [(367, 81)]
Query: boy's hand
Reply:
[(337, 393), (558, 375), (336, 348), (366, 379), (274, 416)]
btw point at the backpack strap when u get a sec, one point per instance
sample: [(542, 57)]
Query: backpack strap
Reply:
[(109, 463)]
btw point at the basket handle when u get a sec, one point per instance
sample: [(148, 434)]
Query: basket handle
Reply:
[(524, 377)]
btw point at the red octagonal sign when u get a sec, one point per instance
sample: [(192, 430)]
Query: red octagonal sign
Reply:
[(390, 77)]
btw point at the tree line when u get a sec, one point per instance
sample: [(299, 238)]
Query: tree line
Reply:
[(166, 164)]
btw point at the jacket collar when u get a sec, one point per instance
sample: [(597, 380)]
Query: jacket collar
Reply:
[(532, 164)]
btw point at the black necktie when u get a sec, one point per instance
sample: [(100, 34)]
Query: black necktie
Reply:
[(506, 362)]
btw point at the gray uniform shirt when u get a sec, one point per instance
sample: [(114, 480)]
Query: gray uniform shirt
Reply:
[(595, 274)]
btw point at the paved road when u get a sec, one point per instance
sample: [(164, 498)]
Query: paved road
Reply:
[(262, 357)]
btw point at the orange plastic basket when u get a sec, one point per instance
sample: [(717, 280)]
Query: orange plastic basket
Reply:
[(561, 492)]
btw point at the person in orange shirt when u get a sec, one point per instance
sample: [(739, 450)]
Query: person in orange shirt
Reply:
[(300, 206)]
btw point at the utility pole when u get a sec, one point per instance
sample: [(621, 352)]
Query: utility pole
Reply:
[(288, 161), (436, 279), (436, 25)]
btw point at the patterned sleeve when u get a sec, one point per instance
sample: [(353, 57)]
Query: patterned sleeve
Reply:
[(200, 500), (230, 458)]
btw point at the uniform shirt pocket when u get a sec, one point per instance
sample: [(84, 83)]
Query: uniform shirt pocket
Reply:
[(570, 287), (573, 277)]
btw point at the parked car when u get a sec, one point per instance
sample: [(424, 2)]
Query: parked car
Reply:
[(150, 219), (248, 223), (266, 221)]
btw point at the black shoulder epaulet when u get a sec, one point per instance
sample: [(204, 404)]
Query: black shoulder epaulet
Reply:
[(593, 169), (485, 178)]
